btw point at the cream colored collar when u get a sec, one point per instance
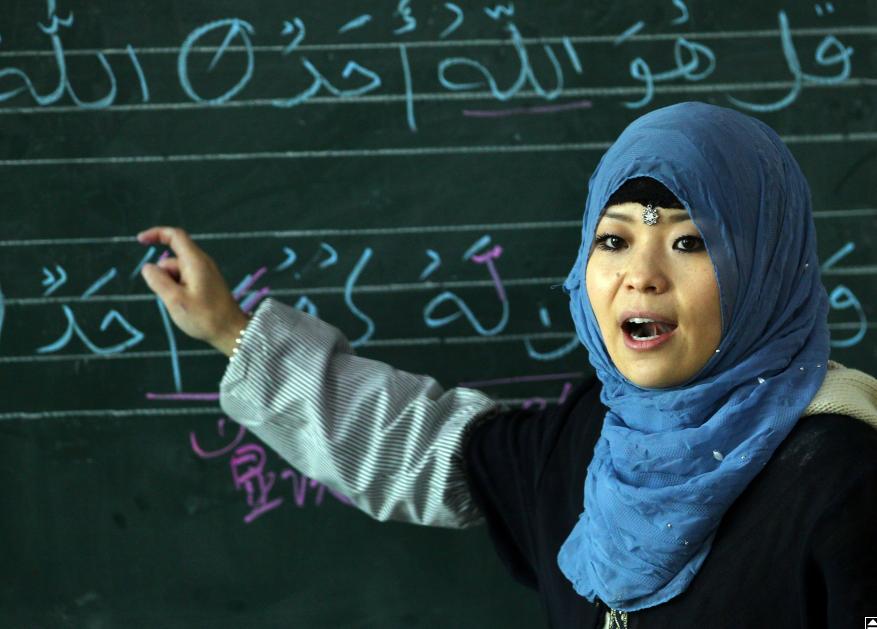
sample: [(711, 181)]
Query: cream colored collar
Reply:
[(846, 391)]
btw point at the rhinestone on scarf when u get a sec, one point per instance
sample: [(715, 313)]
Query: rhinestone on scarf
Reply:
[(650, 215)]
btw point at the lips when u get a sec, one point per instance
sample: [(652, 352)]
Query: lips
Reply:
[(657, 317), (652, 329), (647, 329)]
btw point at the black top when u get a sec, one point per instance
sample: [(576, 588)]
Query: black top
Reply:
[(795, 550)]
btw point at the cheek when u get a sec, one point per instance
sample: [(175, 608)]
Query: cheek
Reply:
[(600, 283), (593, 285), (705, 306)]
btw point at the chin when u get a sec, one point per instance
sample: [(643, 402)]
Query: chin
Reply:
[(655, 384), (652, 376)]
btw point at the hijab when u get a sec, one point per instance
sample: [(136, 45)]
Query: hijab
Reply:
[(669, 462)]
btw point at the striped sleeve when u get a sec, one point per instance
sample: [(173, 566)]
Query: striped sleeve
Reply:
[(388, 440)]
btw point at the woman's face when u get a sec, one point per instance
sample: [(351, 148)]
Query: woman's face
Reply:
[(660, 272)]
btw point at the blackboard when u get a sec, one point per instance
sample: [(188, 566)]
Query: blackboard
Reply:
[(413, 172)]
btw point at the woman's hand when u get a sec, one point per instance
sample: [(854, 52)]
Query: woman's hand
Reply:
[(193, 290)]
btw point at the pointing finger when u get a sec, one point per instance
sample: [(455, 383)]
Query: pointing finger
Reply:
[(174, 237)]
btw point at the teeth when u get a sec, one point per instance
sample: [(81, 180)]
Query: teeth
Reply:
[(639, 320)]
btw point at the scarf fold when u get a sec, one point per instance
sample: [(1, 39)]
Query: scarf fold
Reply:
[(670, 462)]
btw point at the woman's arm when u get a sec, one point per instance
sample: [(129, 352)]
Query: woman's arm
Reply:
[(388, 440)]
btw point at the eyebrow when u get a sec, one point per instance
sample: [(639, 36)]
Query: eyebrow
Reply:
[(677, 216)]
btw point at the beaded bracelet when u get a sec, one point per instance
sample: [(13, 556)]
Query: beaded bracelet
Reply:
[(239, 339)]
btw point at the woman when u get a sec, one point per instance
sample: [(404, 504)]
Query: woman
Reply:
[(717, 472)]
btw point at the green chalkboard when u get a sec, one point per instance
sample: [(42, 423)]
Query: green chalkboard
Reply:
[(413, 172)]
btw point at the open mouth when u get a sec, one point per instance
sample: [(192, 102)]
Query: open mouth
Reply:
[(641, 329)]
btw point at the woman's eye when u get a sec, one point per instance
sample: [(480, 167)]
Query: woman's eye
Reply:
[(613, 243), (690, 244), (609, 242)]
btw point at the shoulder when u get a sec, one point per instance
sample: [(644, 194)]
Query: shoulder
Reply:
[(822, 468), (822, 459), (829, 448), (830, 433)]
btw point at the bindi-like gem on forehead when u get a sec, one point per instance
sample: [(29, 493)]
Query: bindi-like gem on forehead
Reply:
[(650, 215)]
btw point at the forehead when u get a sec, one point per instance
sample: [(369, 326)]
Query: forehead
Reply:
[(633, 213)]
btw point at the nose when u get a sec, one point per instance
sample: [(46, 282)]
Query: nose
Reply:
[(645, 273)]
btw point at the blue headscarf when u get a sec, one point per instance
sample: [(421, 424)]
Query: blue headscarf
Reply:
[(669, 462)]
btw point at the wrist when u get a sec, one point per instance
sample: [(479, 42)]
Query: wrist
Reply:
[(231, 337)]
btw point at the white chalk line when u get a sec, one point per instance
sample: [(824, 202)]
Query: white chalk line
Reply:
[(427, 97), (280, 155), (366, 231), (363, 231), (401, 287), (142, 412), (111, 413), (200, 353), (393, 343), (385, 152), (316, 233)]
